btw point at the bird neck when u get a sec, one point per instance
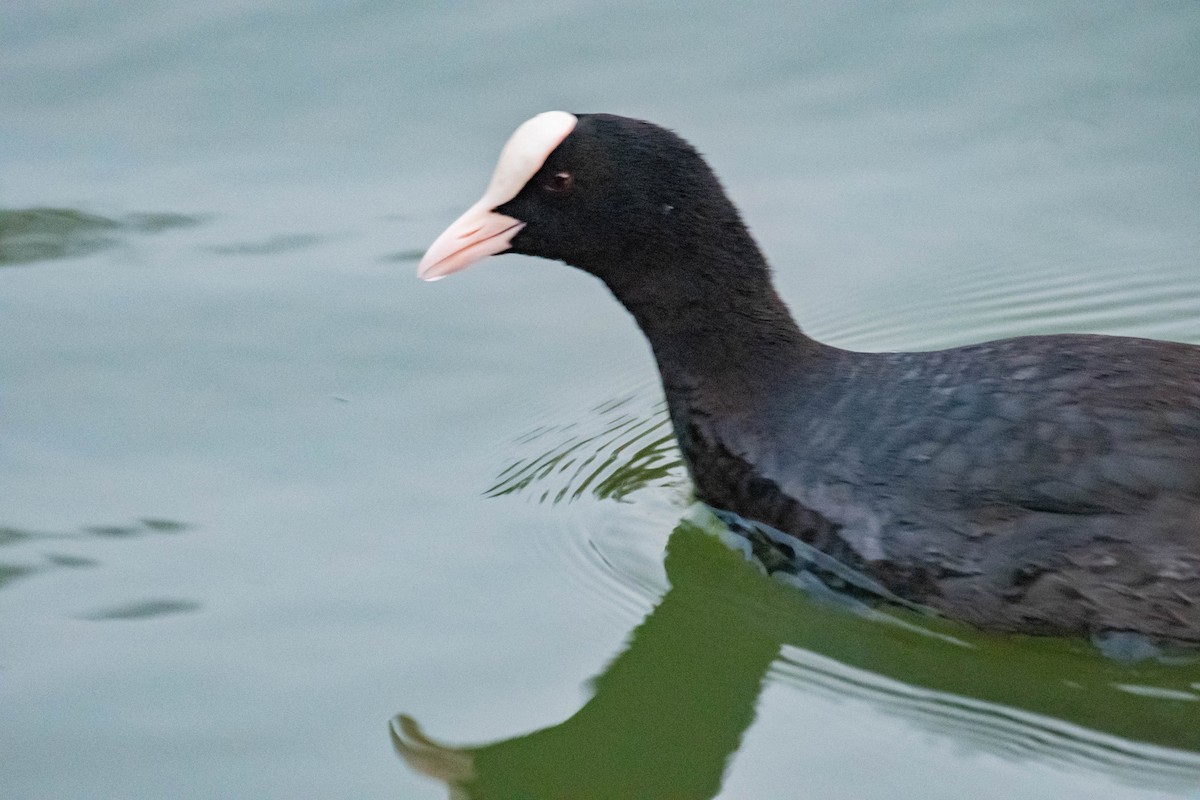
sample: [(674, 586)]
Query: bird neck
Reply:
[(719, 331)]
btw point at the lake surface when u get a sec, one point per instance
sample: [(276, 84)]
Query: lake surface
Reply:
[(278, 520)]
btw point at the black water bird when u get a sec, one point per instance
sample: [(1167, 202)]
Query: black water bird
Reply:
[(1042, 484)]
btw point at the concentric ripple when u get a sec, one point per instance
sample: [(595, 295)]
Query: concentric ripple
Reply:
[(619, 447), (616, 478)]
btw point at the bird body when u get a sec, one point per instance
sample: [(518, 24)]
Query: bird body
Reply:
[(1019, 485), (1043, 484)]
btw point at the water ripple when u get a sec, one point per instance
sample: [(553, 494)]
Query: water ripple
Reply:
[(618, 469), (1132, 296), (619, 447), (996, 728)]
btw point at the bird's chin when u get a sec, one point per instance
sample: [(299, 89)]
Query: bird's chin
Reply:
[(527, 243)]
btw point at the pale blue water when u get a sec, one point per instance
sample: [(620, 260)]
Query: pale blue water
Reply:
[(245, 456)]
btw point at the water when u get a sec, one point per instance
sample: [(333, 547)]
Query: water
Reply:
[(274, 512)]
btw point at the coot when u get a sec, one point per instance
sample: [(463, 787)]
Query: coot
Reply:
[(1043, 484)]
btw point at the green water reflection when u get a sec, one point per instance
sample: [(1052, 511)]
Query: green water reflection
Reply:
[(669, 712)]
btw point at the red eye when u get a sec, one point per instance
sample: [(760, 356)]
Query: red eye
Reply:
[(559, 183)]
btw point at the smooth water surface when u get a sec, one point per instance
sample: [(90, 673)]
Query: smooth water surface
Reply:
[(277, 520)]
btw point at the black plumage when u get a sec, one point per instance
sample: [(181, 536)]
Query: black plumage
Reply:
[(1045, 484)]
